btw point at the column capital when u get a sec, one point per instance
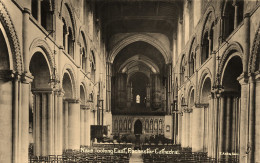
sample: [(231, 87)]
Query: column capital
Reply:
[(201, 105), (42, 90), (187, 110), (61, 92), (71, 100), (27, 11), (8, 75), (257, 76), (243, 78), (27, 78)]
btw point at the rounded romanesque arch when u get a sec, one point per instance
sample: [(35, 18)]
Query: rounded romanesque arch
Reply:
[(206, 74), (138, 37), (40, 43), (234, 47), (206, 19), (71, 75), (13, 41), (253, 65)]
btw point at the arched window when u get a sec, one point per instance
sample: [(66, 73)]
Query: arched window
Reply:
[(70, 43), (228, 16), (151, 124), (146, 124), (47, 15), (92, 66), (43, 12), (137, 99), (129, 124), (192, 64), (83, 52), (160, 124), (205, 48), (64, 35), (116, 125), (182, 70)]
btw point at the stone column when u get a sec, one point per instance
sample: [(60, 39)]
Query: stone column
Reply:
[(37, 125), (243, 119), (59, 148), (221, 127), (228, 127), (39, 10), (82, 125), (88, 115), (148, 95), (129, 88), (74, 125), (252, 119), (50, 115), (246, 42), (6, 118), (108, 87), (65, 124), (257, 120), (197, 130)]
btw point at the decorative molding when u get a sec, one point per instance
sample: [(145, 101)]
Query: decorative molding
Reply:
[(235, 46), (253, 58), (6, 21), (41, 43), (138, 37)]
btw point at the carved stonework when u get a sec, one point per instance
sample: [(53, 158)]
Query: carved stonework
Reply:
[(38, 42), (232, 47), (255, 51), (6, 21)]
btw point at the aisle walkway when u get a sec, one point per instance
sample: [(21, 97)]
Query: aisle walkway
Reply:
[(136, 158)]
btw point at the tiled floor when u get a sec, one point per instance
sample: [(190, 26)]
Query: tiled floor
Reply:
[(136, 158)]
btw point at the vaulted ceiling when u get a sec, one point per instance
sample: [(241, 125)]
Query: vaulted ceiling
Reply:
[(125, 16)]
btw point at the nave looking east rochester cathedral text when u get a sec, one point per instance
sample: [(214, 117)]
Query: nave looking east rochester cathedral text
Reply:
[(100, 80)]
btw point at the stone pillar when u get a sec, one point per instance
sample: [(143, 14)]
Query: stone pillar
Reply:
[(197, 130), (183, 129), (228, 127), (148, 95), (246, 42), (221, 127), (50, 115), (108, 87), (129, 95), (87, 121), (236, 14), (82, 125), (59, 148), (6, 127), (44, 123), (257, 120), (37, 125), (65, 124), (252, 118), (243, 119), (39, 10), (74, 125)]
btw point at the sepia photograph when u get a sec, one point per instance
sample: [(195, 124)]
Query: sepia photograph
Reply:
[(129, 81)]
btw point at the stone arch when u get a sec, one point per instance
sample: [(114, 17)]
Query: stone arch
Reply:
[(13, 41), (138, 37), (229, 57), (83, 93), (254, 56), (72, 16), (209, 10), (206, 75), (191, 96), (232, 47), (67, 69), (42, 44)]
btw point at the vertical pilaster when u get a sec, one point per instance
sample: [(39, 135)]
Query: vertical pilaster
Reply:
[(74, 125)]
